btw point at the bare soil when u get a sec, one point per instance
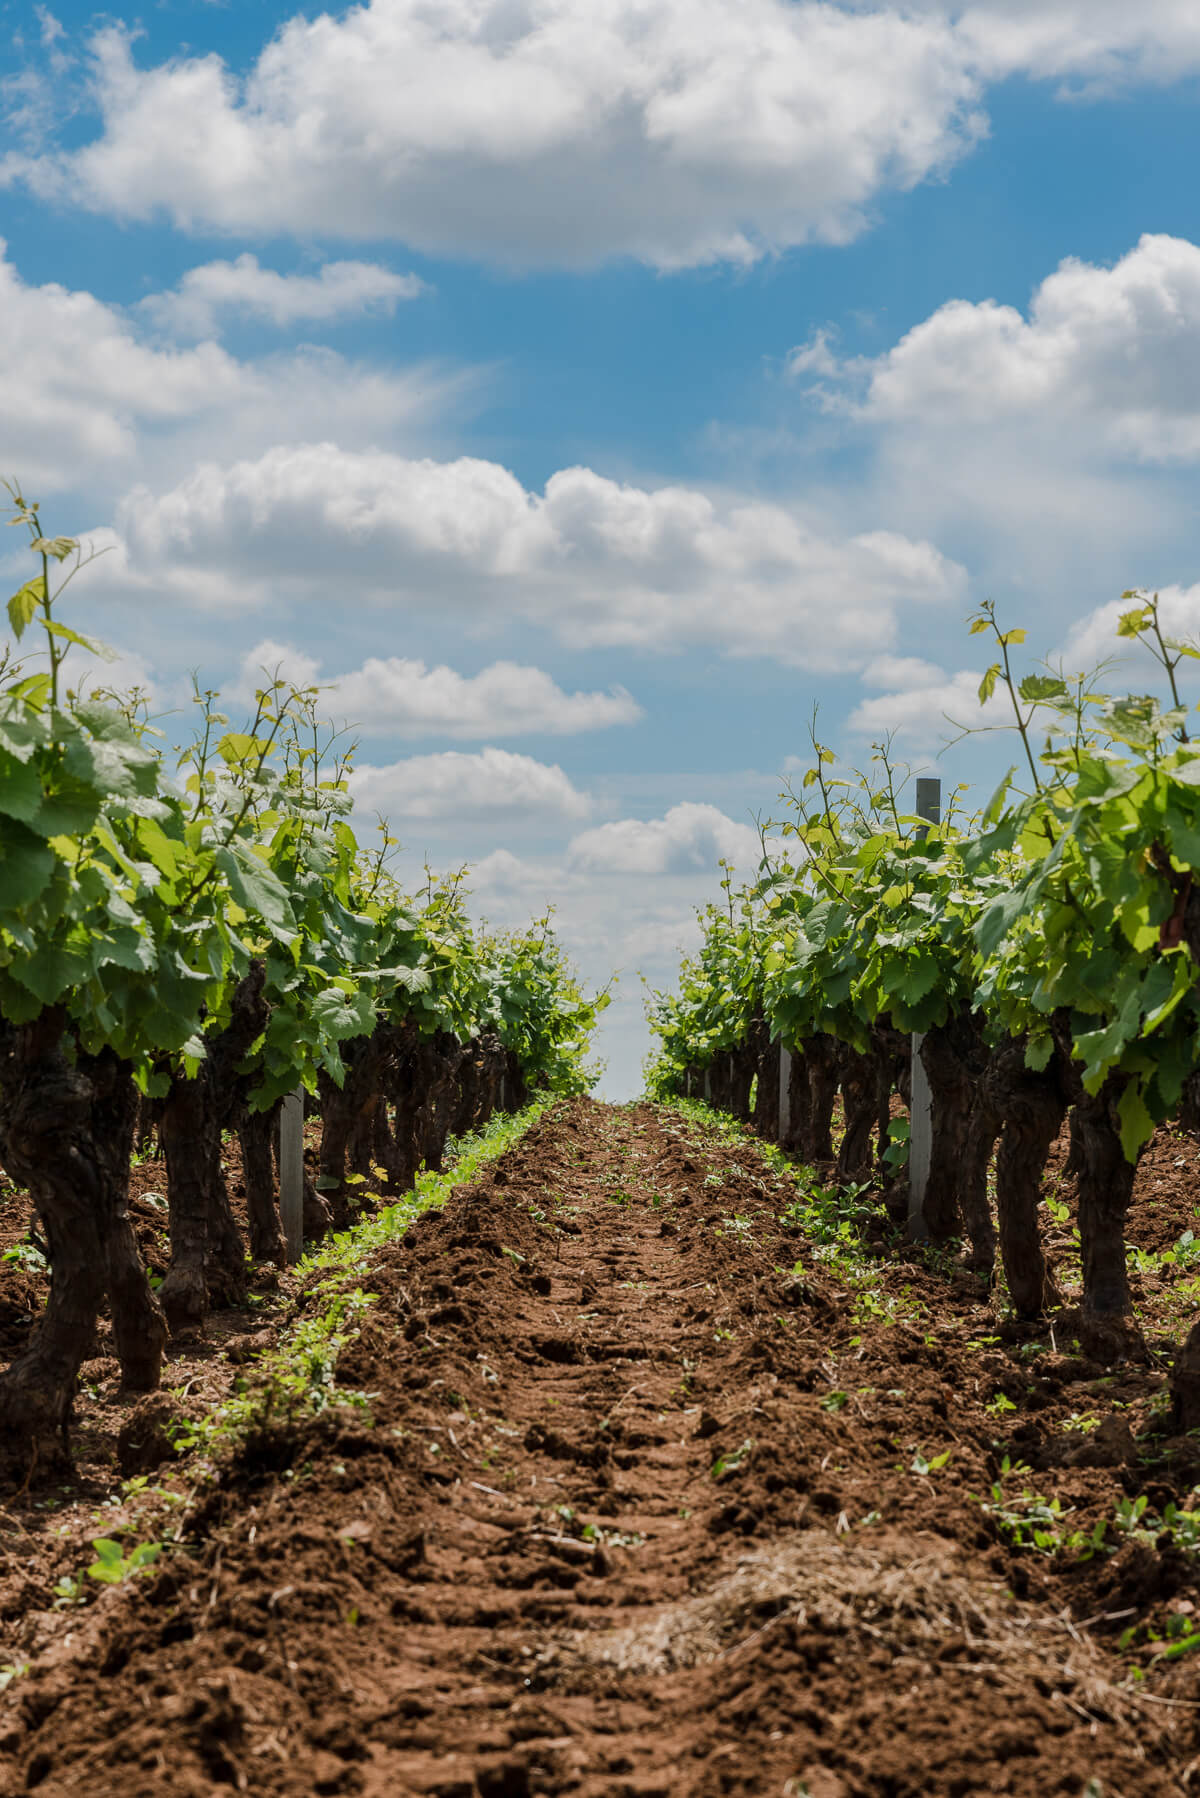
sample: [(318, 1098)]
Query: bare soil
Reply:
[(654, 1494)]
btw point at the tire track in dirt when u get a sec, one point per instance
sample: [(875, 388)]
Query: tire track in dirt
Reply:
[(602, 1535)]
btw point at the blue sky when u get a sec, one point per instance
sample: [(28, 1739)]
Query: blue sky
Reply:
[(589, 388)]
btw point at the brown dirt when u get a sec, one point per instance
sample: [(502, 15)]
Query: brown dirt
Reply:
[(647, 1501)]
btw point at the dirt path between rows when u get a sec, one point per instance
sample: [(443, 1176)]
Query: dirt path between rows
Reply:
[(637, 1510)]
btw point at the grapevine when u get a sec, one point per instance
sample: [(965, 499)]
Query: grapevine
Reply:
[(183, 941), (1043, 954)]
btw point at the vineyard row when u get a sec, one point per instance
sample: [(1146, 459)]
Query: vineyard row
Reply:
[(1044, 955), (186, 938)]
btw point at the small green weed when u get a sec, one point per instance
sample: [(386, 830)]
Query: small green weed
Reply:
[(26, 1255), (920, 1464), (112, 1565), (724, 1465)]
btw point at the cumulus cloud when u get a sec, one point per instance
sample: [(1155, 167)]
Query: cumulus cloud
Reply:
[(1093, 639), (408, 699), (245, 289), (85, 399), (1093, 44), (626, 897), (1110, 352), (920, 705), (455, 787), (688, 839), (681, 133), (596, 561), (1051, 447)]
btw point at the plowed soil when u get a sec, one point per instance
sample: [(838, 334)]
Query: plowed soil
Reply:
[(648, 1496)]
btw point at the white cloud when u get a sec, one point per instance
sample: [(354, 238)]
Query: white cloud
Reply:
[(1093, 639), (597, 562), (922, 706), (1051, 449), (635, 915), (898, 673), (408, 699), (455, 787), (1110, 356), (51, 28), (244, 288), (681, 133), (1099, 43), (85, 401), (688, 839)]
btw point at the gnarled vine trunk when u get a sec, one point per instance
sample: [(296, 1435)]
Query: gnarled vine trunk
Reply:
[(983, 1128), (862, 1074), (743, 1065), (766, 1068), (1185, 1384), (256, 1132), (1032, 1104), (823, 1060), (956, 1059), (799, 1103), (894, 1049), (350, 1118), (1105, 1188), (66, 1132), (207, 1256), (425, 1099)]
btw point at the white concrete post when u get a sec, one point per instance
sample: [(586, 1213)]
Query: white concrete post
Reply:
[(785, 1093), (920, 1129), (291, 1172)]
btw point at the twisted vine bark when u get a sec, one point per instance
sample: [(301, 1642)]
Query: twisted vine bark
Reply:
[(1104, 1189), (983, 1128), (799, 1109), (766, 1069), (479, 1083), (421, 1126), (862, 1074), (720, 1084), (964, 1126), (1032, 1105), (743, 1065), (894, 1048), (256, 1132), (823, 1061), (436, 1113), (66, 1132), (207, 1257), (347, 1111)]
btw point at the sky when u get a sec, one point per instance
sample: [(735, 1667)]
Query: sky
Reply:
[(584, 389)]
